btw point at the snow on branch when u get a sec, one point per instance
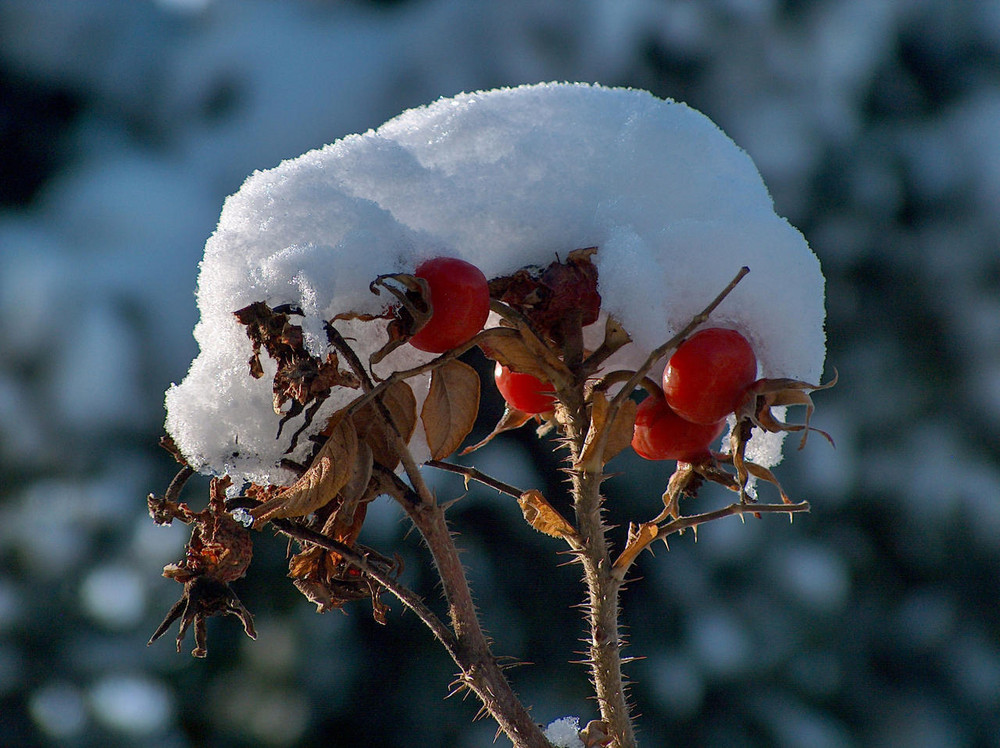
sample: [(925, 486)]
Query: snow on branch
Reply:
[(502, 179)]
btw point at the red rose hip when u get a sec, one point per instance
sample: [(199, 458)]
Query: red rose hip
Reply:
[(661, 434), (460, 296), (707, 376), (524, 392)]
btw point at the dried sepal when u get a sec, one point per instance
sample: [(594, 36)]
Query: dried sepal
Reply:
[(615, 338), (328, 473), (409, 316), (765, 394), (544, 517), (218, 553), (451, 407)]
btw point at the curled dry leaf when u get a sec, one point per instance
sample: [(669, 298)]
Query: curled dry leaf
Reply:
[(616, 436), (301, 377), (506, 346), (639, 537), (510, 420), (541, 515), (329, 472), (401, 405), (451, 407), (595, 734)]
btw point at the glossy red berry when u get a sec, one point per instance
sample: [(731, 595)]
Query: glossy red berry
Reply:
[(707, 376), (661, 434), (460, 296), (524, 392)]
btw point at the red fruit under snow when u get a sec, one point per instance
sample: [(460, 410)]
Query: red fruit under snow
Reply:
[(709, 373), (661, 434), (460, 296), (524, 392)]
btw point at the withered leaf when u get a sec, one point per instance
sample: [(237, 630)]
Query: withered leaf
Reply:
[(301, 377), (541, 515), (639, 537), (506, 346), (511, 419), (550, 296), (451, 407), (619, 431), (329, 472), (401, 404)]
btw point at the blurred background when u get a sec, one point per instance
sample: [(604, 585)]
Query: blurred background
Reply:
[(872, 621)]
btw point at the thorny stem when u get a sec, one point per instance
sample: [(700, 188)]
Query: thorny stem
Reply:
[(603, 583), (471, 473), (603, 587), (480, 670)]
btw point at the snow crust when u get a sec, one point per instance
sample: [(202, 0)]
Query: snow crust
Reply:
[(503, 179)]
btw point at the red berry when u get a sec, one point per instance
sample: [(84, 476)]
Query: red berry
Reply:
[(708, 375), (524, 392), (460, 296), (661, 434)]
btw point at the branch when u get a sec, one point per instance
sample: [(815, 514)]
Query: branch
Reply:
[(480, 670), (642, 536), (471, 473)]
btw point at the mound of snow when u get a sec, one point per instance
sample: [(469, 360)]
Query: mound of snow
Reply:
[(503, 179)]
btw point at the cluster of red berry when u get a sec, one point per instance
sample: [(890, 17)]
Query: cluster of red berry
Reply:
[(704, 381)]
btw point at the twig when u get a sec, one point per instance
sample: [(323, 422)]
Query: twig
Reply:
[(471, 473), (637, 545)]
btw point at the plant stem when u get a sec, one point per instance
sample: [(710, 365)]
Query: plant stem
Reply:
[(602, 597), (603, 587), (480, 670)]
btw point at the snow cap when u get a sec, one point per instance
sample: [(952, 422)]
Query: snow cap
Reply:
[(503, 179)]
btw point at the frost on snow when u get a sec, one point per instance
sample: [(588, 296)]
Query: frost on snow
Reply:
[(502, 179)]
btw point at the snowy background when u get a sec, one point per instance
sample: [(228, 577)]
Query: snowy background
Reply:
[(872, 621)]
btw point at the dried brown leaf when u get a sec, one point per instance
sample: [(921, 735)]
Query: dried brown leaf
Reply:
[(506, 346), (401, 405), (451, 407), (511, 419), (329, 472), (639, 537), (619, 432), (541, 515)]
